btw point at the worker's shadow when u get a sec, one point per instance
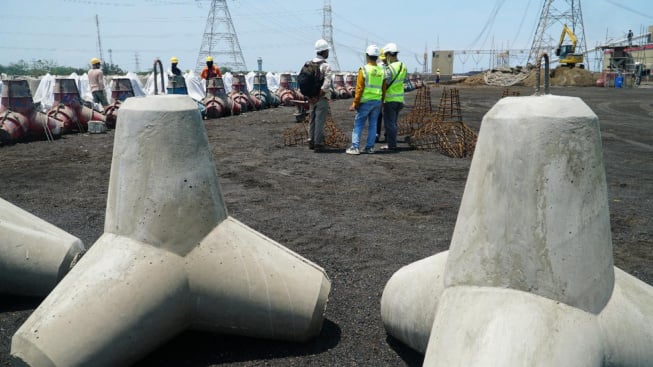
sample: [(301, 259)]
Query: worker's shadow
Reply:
[(194, 348)]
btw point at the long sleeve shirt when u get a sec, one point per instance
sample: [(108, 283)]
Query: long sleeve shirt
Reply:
[(96, 80), (360, 86)]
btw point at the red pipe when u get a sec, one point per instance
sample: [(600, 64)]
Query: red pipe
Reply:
[(70, 109), (67, 116), (241, 84), (217, 102), (19, 119), (13, 127), (239, 99), (350, 83), (121, 89), (340, 88)]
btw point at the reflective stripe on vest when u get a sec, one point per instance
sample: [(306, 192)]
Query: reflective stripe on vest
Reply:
[(395, 91), (373, 91)]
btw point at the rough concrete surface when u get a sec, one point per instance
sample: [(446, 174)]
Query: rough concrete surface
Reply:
[(361, 218)]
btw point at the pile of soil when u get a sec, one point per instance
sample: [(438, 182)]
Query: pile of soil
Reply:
[(563, 77), (361, 218), (474, 80), (560, 76)]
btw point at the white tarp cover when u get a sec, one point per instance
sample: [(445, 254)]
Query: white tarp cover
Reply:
[(45, 92), (272, 80), (194, 84)]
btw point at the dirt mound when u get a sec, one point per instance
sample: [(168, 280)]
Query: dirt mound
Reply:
[(477, 79), (563, 77)]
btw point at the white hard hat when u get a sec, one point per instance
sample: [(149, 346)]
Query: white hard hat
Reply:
[(391, 47), (321, 45), (372, 50)]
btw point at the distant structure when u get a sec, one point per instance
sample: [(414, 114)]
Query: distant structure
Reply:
[(327, 34), (442, 61), (425, 64), (99, 40), (220, 40), (555, 14), (137, 63)]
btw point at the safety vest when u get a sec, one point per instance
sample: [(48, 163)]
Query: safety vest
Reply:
[(373, 83), (395, 91)]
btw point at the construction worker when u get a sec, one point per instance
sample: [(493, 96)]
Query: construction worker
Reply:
[(437, 77), (96, 82), (393, 101), (379, 122), (630, 37), (320, 105), (210, 71), (367, 101), (174, 61)]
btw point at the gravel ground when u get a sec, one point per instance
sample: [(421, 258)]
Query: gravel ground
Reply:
[(359, 217)]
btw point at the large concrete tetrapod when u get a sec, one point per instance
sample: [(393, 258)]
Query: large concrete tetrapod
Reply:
[(34, 254), (528, 279), (170, 257)]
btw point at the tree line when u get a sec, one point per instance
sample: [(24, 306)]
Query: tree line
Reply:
[(39, 68)]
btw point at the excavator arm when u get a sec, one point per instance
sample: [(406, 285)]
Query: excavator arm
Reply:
[(567, 31), (567, 53)]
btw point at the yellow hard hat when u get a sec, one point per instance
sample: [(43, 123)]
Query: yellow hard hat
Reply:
[(382, 55), (174, 60), (95, 60), (209, 58)]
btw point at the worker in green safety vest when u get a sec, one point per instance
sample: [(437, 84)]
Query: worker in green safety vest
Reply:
[(367, 101), (395, 74)]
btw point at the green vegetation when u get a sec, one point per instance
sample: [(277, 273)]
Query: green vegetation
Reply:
[(38, 68)]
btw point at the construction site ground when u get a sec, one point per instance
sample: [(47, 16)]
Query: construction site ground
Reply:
[(359, 217)]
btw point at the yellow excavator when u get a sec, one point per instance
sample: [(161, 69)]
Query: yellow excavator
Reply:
[(566, 53)]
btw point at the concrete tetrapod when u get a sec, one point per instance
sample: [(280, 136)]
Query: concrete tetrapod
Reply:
[(170, 257), (528, 279), (34, 254)]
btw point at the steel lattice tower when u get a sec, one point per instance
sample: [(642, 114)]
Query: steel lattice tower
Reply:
[(555, 14), (220, 40), (99, 40), (327, 34)]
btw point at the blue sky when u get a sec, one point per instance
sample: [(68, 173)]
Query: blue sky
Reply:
[(282, 33)]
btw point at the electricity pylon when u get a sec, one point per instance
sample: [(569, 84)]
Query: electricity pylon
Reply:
[(220, 40), (555, 14), (327, 34)]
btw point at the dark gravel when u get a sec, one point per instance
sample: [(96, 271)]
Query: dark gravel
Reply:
[(359, 217)]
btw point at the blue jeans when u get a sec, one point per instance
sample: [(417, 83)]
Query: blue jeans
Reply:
[(368, 111), (390, 114)]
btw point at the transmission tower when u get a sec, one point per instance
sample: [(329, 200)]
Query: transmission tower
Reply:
[(220, 39), (137, 63), (99, 41), (327, 34), (555, 14)]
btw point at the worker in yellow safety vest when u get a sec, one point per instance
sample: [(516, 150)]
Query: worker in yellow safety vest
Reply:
[(395, 74), (379, 122), (367, 101)]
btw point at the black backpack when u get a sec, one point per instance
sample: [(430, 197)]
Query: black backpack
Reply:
[(310, 79)]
